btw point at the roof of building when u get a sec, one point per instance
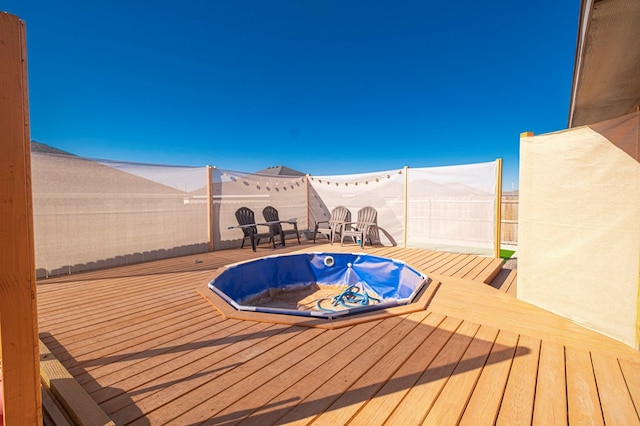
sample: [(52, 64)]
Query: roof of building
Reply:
[(280, 171), (606, 81)]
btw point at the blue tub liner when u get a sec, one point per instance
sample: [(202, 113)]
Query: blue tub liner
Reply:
[(392, 281)]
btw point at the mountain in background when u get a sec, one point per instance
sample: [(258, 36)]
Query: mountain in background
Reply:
[(46, 149), (273, 170)]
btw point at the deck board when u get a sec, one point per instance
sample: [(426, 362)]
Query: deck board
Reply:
[(148, 349), (617, 404), (519, 394), (550, 406), (450, 404), (484, 403), (582, 393), (425, 391), (439, 331)]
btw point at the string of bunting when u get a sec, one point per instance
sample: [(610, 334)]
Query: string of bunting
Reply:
[(296, 182), (283, 183), (371, 179)]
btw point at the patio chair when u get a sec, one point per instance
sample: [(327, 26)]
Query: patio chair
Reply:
[(333, 227), (273, 218), (247, 222), (366, 224)]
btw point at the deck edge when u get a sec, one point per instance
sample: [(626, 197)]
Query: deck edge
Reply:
[(76, 401)]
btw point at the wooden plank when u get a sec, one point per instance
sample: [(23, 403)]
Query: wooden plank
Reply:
[(78, 404), (489, 306), (185, 377), (582, 393), (487, 270), (149, 370), (266, 385), (617, 404), (18, 306), (52, 414), (484, 404), (334, 386), (448, 408), (342, 370), (376, 374), (187, 329), (511, 284), (381, 406), (134, 339), (270, 401), (466, 267), (415, 406), (217, 394), (119, 365), (550, 407), (517, 402), (176, 365), (115, 339), (631, 373)]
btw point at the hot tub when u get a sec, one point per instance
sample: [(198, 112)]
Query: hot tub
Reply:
[(341, 283)]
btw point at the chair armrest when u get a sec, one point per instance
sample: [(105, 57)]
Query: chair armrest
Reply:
[(251, 225)]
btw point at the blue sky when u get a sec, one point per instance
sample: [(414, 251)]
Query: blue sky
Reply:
[(325, 86)]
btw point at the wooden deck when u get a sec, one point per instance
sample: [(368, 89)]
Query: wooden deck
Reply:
[(147, 349)]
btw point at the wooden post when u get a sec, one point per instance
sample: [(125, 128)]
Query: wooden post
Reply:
[(19, 343), (210, 217), (498, 227), (308, 204), (406, 205)]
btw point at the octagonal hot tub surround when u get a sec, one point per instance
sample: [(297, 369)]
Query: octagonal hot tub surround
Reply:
[(309, 284)]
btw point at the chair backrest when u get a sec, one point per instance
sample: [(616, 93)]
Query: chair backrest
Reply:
[(367, 215), (245, 216), (271, 215), (339, 214)]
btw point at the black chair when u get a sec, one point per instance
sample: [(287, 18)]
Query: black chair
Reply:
[(247, 222), (271, 216)]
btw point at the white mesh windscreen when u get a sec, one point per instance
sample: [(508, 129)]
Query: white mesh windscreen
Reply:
[(382, 190), (452, 208), (448, 208), (232, 190), (90, 214)]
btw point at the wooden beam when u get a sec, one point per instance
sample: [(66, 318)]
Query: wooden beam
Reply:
[(75, 400), (18, 306), (406, 206), (210, 206), (498, 236), (308, 203)]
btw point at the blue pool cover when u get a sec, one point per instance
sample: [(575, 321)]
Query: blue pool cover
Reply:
[(393, 281)]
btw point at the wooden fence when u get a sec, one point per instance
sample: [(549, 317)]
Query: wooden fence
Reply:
[(509, 222)]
